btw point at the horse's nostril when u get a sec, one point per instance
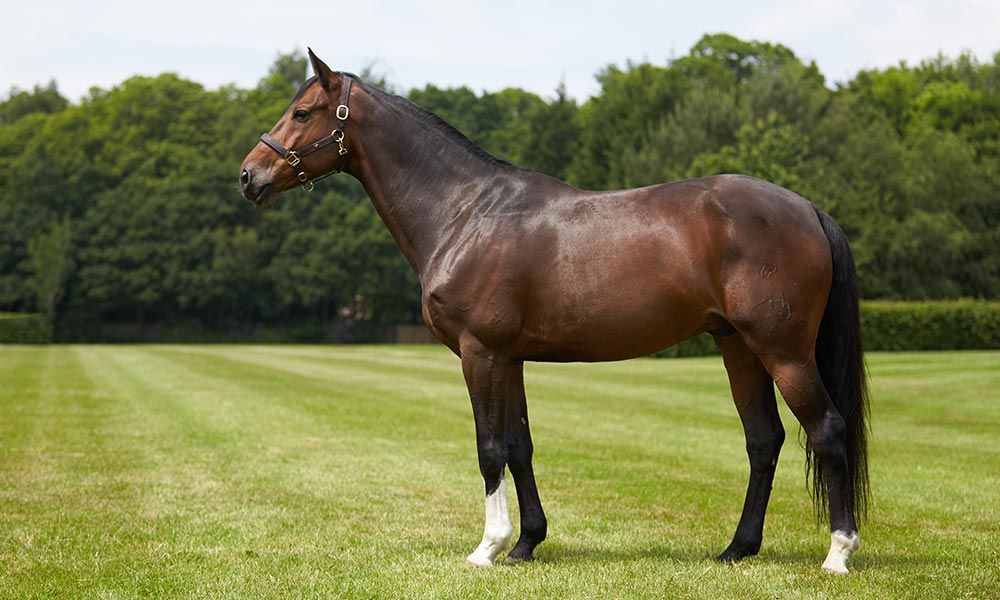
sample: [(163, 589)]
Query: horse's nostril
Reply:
[(244, 178)]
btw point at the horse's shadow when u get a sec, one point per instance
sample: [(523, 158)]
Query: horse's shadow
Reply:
[(566, 553)]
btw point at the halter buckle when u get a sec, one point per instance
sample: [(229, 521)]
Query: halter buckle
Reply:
[(343, 112), (309, 186), (293, 158)]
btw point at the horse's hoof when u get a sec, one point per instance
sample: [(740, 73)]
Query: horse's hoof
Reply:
[(520, 555), (728, 556), (479, 561), (736, 553)]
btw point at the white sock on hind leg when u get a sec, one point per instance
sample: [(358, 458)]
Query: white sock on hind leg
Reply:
[(842, 546)]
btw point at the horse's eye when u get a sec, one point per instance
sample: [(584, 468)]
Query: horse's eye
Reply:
[(301, 116)]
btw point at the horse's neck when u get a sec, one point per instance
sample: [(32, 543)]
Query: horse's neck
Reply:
[(419, 180)]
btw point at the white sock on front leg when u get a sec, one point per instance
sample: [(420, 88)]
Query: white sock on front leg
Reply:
[(497, 532)]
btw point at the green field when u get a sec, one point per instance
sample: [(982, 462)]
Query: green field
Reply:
[(307, 471)]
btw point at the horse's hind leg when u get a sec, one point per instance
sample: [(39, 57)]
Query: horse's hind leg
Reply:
[(803, 390), (753, 392)]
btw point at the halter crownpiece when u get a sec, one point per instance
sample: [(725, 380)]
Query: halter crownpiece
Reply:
[(294, 157)]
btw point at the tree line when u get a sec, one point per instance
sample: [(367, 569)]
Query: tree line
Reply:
[(123, 208)]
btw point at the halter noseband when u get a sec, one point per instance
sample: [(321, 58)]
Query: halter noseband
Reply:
[(294, 157)]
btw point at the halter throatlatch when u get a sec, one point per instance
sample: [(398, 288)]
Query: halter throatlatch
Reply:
[(294, 157)]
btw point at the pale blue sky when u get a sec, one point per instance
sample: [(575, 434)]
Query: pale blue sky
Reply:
[(485, 45)]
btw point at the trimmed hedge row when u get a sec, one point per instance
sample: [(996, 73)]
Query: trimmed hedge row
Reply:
[(930, 325), (24, 329), (939, 325), (956, 325)]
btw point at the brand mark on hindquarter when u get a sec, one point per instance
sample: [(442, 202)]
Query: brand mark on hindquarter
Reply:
[(779, 305)]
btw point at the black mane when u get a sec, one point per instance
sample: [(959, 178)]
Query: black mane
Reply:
[(438, 124)]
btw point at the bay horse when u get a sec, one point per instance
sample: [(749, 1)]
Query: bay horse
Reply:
[(516, 266)]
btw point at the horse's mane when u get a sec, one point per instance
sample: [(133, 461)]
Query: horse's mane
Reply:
[(435, 122)]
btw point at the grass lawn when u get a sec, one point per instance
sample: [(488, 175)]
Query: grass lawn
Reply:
[(308, 471)]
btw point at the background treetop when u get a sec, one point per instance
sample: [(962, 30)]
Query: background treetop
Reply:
[(139, 227)]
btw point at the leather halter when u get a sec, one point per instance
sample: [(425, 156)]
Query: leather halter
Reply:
[(294, 157)]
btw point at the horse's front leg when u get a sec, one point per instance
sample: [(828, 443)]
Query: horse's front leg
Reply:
[(487, 376), (520, 448)]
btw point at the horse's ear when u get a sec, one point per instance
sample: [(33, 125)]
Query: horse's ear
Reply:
[(322, 71)]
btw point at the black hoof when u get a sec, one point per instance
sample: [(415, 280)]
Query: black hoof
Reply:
[(736, 552), (522, 552)]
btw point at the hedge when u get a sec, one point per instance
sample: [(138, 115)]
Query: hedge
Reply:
[(955, 325), (16, 328), (931, 325), (885, 325)]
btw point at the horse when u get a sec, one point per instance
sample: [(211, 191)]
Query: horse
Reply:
[(517, 266)]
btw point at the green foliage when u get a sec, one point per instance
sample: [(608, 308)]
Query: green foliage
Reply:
[(617, 119), (24, 329), (51, 261), (966, 325), (907, 159), (552, 136), (42, 100), (773, 150), (699, 345)]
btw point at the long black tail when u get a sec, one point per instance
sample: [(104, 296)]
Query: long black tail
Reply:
[(841, 363)]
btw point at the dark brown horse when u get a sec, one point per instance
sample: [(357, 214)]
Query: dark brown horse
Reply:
[(516, 266)]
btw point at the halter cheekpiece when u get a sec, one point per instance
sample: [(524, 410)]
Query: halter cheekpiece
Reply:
[(294, 157)]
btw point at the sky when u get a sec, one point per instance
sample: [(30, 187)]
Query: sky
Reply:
[(486, 45)]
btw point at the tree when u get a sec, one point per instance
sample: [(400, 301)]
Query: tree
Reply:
[(617, 119), (51, 261), (42, 100), (705, 121), (553, 135)]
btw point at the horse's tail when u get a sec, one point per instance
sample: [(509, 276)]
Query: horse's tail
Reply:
[(840, 359)]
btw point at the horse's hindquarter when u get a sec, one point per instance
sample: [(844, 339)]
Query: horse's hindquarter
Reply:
[(777, 271)]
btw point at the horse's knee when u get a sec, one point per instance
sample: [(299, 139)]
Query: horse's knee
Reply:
[(493, 457)]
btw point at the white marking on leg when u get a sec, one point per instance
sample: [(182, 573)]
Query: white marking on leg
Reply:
[(842, 546), (497, 532)]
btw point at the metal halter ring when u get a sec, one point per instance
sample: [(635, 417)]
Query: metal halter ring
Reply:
[(307, 184), (343, 112)]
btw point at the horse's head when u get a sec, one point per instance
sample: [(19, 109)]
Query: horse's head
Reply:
[(306, 143)]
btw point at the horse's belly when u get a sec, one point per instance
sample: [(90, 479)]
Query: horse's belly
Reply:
[(623, 323)]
